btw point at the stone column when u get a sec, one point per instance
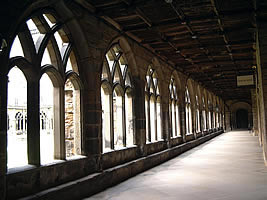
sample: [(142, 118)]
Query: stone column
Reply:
[(182, 121), (193, 118), (227, 120), (254, 112), (92, 112), (165, 120), (3, 134), (139, 115), (261, 55), (33, 122)]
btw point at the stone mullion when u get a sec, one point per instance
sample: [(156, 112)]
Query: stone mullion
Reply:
[(3, 135), (33, 122), (148, 118), (124, 120), (193, 118), (183, 121), (212, 119), (175, 119), (111, 121), (170, 120), (156, 118), (201, 121)]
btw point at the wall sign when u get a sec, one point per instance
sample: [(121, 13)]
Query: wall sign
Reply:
[(245, 80)]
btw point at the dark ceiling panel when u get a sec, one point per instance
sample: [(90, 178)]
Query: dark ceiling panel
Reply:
[(211, 40)]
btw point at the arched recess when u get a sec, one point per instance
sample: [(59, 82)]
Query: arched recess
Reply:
[(17, 133), (128, 53), (153, 106), (51, 103), (210, 110), (159, 72), (198, 104), (241, 111), (47, 48), (215, 110), (73, 105), (117, 100), (21, 74), (217, 113), (204, 110), (190, 101), (174, 113)]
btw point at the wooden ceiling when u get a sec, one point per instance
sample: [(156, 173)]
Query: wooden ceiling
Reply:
[(211, 41)]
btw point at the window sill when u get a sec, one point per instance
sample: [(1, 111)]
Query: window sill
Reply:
[(14, 170), (175, 137), (119, 149), (77, 157), (154, 142)]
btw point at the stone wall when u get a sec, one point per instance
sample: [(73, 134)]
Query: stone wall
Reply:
[(91, 39)]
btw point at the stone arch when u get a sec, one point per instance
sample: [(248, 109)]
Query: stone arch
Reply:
[(53, 75), (177, 79), (156, 67), (198, 93), (191, 91), (26, 68), (237, 106), (128, 52)]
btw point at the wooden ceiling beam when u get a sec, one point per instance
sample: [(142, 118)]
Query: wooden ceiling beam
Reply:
[(141, 14)]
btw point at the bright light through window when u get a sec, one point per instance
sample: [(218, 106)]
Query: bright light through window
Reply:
[(46, 120), (17, 119)]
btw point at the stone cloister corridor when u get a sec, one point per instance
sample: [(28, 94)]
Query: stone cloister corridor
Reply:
[(153, 99), (228, 167)]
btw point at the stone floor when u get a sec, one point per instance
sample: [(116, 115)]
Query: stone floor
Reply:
[(229, 167)]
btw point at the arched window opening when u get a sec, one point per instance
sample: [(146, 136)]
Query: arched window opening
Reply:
[(58, 61), (105, 102), (178, 120), (129, 118), (47, 130), (51, 21), (62, 42), (188, 112), (159, 135), (204, 118), (35, 32), (214, 119), (72, 120), (174, 110), (16, 49), (147, 111), (197, 116), (117, 119), (153, 118), (117, 110), (152, 107), (46, 58), (17, 111), (217, 120), (72, 64), (210, 120)]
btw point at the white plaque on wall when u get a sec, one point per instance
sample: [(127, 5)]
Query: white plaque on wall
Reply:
[(245, 80)]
